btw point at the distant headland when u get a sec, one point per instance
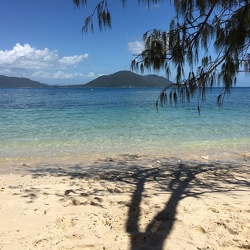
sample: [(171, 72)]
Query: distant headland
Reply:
[(19, 82), (120, 79)]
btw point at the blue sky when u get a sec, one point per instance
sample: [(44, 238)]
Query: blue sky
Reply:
[(42, 40)]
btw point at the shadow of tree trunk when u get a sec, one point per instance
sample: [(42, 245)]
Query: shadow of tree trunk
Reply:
[(161, 225)]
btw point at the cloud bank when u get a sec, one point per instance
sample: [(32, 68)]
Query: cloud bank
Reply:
[(41, 64)]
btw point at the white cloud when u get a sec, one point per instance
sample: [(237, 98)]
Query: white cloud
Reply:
[(41, 64), (27, 57), (63, 75), (71, 60), (136, 47), (91, 74), (66, 75), (40, 74)]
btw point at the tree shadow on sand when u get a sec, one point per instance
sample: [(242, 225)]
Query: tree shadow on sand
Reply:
[(179, 180), (161, 225)]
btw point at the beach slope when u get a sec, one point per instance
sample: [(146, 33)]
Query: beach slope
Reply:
[(126, 203)]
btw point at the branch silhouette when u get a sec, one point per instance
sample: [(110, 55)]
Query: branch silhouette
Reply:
[(161, 225), (145, 179)]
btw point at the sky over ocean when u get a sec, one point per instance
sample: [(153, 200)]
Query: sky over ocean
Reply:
[(43, 40)]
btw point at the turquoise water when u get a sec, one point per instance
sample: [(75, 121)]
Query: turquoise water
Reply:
[(45, 123)]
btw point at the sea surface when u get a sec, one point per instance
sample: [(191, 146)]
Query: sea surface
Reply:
[(68, 122)]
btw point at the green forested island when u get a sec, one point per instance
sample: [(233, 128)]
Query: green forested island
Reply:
[(19, 82), (127, 79), (121, 79)]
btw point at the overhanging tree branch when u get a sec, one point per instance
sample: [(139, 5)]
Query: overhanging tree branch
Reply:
[(186, 48)]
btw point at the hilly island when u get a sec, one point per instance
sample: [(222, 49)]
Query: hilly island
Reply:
[(121, 79)]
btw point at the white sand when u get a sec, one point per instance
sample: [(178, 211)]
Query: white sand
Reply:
[(127, 203)]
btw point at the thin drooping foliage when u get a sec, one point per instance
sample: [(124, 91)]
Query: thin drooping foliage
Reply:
[(102, 13), (209, 38)]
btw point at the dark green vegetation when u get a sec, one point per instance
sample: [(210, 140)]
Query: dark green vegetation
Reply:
[(121, 79), (127, 79), (206, 44), (17, 82)]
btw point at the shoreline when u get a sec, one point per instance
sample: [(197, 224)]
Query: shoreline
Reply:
[(11, 164), (126, 202)]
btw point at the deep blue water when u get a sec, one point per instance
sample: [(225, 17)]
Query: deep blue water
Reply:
[(57, 122)]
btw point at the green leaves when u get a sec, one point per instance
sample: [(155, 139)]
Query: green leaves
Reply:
[(155, 52), (198, 28), (103, 16), (78, 2)]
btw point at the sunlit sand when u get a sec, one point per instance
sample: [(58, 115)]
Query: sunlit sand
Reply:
[(128, 202)]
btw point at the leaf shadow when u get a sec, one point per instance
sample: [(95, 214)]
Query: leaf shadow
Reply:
[(180, 179)]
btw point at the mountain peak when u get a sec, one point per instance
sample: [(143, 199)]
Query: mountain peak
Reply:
[(18, 82), (128, 79)]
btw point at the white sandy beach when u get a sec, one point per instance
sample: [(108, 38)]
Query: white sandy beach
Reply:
[(126, 203)]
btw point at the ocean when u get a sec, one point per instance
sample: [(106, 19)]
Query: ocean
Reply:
[(91, 123)]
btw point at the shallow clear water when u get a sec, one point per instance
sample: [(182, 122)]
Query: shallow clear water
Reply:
[(45, 123)]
